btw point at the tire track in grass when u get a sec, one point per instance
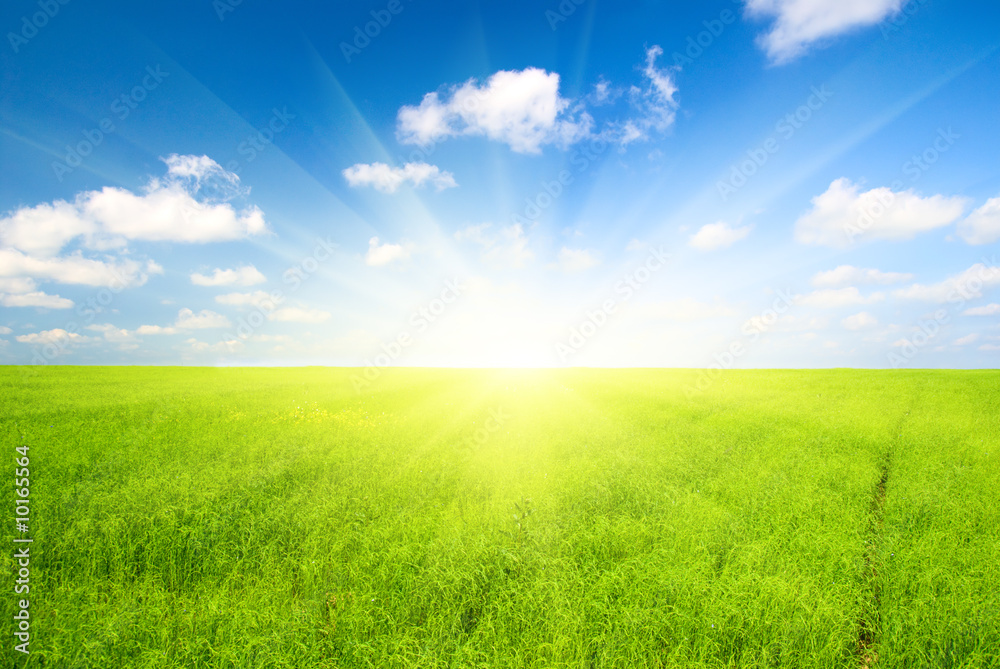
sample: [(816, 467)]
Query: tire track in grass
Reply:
[(870, 624)]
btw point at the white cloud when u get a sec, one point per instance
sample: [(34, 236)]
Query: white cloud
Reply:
[(257, 298), (522, 109), (35, 299), (967, 339), (575, 260), (197, 168), (834, 298), (843, 215), (718, 235), (166, 210), (384, 254), (604, 93), (57, 337), (990, 347), (204, 319), (44, 229), (986, 310), (655, 104), (800, 23), (5, 330), (983, 225), (389, 179), (156, 330), (964, 285), (846, 275), (241, 276), (859, 321), (508, 247), (75, 269), (33, 237), (298, 315), (164, 213), (17, 284)]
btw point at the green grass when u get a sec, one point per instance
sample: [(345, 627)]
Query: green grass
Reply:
[(266, 518)]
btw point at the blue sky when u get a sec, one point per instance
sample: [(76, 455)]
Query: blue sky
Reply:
[(759, 183)]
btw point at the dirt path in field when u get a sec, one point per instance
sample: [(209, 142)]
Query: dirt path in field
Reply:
[(870, 624)]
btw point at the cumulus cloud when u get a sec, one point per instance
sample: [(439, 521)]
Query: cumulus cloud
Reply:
[(44, 229), (521, 108), (5, 330), (204, 319), (35, 299), (57, 337), (718, 235), (801, 23), (844, 214), (388, 179), (191, 204), (966, 285), (834, 298), (383, 254), (859, 321), (983, 225), (17, 284), (165, 213), (986, 310), (241, 276), (75, 269), (847, 275), (166, 210)]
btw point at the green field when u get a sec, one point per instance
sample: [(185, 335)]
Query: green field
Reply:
[(259, 518)]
